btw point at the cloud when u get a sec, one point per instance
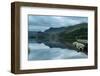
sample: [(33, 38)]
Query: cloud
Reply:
[(37, 28), (41, 23)]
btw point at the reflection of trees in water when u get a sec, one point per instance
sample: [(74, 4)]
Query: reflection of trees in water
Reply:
[(52, 43)]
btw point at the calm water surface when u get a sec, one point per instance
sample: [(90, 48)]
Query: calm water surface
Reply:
[(40, 51)]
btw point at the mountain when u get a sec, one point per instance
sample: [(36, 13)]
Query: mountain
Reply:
[(67, 29), (63, 34), (70, 33)]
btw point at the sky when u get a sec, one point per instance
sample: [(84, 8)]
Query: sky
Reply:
[(42, 23)]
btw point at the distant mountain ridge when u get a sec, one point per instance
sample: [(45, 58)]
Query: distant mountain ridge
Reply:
[(70, 33), (67, 29)]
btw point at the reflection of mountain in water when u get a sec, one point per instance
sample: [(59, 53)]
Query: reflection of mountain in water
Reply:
[(62, 37), (39, 51)]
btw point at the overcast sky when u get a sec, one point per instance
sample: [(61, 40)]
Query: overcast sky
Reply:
[(42, 23)]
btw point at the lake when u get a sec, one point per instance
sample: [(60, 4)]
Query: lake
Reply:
[(44, 51)]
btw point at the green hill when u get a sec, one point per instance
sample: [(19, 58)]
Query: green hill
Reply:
[(69, 34)]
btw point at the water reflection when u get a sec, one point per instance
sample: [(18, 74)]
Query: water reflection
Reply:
[(46, 50)]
